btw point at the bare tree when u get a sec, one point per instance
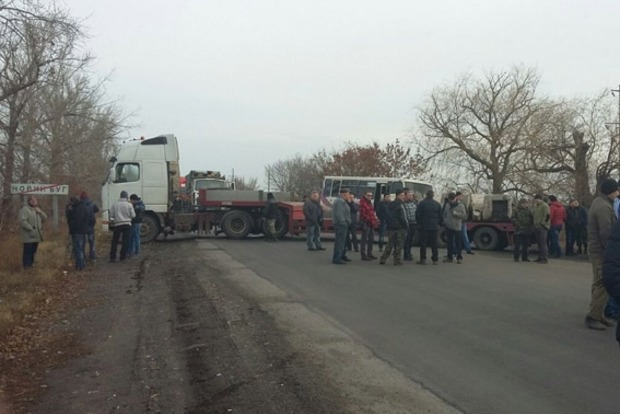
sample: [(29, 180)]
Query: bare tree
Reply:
[(243, 183), (479, 126), (298, 174), (576, 152), (55, 122)]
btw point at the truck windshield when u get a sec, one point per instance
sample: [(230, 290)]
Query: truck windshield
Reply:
[(210, 184)]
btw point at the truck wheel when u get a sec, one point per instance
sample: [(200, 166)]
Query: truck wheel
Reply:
[(149, 229), (237, 224), (281, 226), (486, 238)]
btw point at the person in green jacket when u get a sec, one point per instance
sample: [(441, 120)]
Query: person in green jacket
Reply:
[(522, 219), (542, 222), (31, 219)]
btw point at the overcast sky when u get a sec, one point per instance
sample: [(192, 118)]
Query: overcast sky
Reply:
[(245, 83)]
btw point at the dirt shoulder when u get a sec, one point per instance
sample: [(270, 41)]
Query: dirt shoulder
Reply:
[(186, 329)]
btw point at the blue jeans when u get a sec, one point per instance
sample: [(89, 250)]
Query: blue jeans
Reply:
[(79, 241), (465, 238), (570, 240), (30, 249), (339, 243), (454, 244), (134, 240), (90, 237), (612, 310), (313, 236), (554, 241)]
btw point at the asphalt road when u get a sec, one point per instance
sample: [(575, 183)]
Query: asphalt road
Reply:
[(487, 336)]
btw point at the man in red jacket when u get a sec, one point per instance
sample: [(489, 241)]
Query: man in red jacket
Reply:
[(368, 222), (558, 216)]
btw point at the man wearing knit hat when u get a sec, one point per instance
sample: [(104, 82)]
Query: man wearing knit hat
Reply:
[(600, 220)]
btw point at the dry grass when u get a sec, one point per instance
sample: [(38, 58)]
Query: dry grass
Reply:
[(22, 292), (30, 301)]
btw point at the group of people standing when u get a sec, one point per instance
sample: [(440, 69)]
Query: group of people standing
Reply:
[(126, 217), (400, 219), (544, 221), (81, 219)]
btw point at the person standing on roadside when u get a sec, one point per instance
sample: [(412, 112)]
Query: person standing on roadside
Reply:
[(576, 221), (611, 268), (396, 226), (92, 220), (453, 215), (382, 215), (31, 219), (121, 214), (429, 218), (136, 223), (557, 214), (601, 218), (523, 221), (368, 222), (272, 214), (313, 214), (541, 224), (464, 235), (410, 205), (73, 201), (342, 220), (78, 219), (352, 242)]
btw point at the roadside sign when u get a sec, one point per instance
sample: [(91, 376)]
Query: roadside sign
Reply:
[(47, 189)]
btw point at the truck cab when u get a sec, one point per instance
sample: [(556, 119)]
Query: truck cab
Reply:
[(148, 168)]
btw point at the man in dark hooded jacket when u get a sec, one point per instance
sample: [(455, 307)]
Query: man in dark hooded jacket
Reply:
[(429, 217), (79, 218)]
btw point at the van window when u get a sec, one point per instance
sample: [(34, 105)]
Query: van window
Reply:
[(335, 188), (327, 187), (127, 173)]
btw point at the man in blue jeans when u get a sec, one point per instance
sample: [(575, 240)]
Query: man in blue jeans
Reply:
[(342, 220), (136, 224)]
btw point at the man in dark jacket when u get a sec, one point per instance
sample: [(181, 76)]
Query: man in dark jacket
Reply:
[(396, 228), (352, 242), (92, 220), (601, 217), (576, 221), (429, 217), (136, 224), (382, 215), (79, 219), (313, 214), (611, 267)]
